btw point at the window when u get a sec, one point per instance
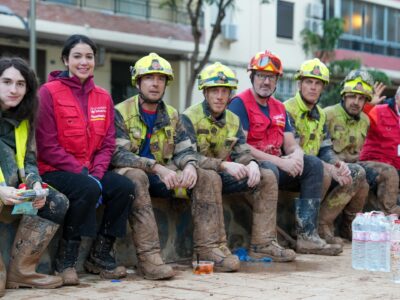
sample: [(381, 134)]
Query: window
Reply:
[(9, 51), (370, 27), (380, 22), (121, 86), (284, 26), (286, 87), (68, 2)]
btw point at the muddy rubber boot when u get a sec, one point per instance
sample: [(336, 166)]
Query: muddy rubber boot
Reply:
[(101, 259), (3, 273), (152, 267), (31, 240), (145, 231), (352, 196), (327, 232), (345, 228), (330, 209), (308, 240), (264, 201), (350, 211), (388, 189), (206, 233), (66, 259), (223, 243)]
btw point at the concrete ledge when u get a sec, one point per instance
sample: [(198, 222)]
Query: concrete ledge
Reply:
[(174, 226)]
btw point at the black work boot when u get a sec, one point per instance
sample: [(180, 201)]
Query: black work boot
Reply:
[(308, 240), (67, 257), (100, 260)]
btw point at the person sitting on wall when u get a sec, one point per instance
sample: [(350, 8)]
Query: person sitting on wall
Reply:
[(18, 108)]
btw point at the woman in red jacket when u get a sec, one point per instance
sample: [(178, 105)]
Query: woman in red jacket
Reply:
[(76, 138)]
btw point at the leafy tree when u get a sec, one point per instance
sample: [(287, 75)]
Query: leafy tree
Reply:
[(323, 46), (194, 9)]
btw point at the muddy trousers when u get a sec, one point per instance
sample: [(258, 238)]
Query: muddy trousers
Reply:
[(209, 236), (309, 184), (263, 199), (383, 180), (144, 227), (33, 235), (204, 207), (348, 199)]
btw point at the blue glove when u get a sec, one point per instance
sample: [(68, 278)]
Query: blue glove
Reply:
[(100, 200)]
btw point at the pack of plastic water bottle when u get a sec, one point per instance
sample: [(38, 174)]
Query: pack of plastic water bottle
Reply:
[(371, 241)]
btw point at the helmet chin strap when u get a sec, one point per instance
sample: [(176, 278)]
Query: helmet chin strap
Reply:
[(147, 100)]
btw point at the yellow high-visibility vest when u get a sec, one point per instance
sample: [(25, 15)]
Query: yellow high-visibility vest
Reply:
[(21, 139)]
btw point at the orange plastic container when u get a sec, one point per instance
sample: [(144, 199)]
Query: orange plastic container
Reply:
[(203, 267)]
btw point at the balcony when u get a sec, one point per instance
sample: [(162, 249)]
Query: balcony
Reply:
[(143, 9)]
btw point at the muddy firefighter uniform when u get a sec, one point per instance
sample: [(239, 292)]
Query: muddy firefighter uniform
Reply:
[(311, 129), (35, 231), (169, 146), (348, 134), (221, 140)]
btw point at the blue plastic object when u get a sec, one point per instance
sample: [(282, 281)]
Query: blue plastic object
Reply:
[(100, 200), (243, 256)]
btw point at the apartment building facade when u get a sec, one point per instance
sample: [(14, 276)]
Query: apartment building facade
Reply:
[(125, 30)]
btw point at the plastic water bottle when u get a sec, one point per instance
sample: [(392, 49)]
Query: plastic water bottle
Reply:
[(373, 257), (395, 251), (384, 242), (358, 248)]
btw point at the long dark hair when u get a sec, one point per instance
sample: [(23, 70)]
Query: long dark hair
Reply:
[(27, 108), (72, 41)]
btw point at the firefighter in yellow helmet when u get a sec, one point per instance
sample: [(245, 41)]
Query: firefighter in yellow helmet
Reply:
[(348, 126), (155, 152), (344, 182), (222, 148)]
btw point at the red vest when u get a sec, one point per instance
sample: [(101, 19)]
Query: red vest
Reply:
[(265, 134), (383, 138), (79, 135)]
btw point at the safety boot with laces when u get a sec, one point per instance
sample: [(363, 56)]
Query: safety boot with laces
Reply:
[(222, 263), (273, 250), (100, 260)]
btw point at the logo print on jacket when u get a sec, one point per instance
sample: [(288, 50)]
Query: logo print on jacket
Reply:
[(98, 113)]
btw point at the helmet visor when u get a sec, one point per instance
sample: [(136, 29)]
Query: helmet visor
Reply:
[(263, 61)]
